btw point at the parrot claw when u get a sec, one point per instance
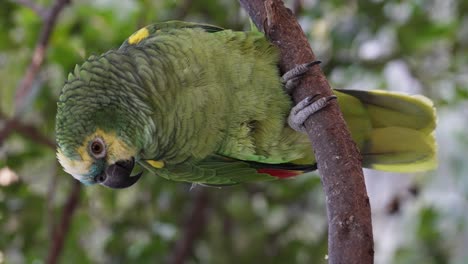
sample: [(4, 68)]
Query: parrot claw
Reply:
[(291, 78), (304, 109)]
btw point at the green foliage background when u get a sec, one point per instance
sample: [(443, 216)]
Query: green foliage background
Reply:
[(413, 46)]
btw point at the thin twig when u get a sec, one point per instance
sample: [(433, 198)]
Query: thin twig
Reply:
[(195, 223), (61, 230), (51, 189), (14, 125), (26, 84), (6, 131), (350, 237)]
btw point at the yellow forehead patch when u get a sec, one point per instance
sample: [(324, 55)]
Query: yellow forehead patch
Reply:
[(138, 36), (116, 150)]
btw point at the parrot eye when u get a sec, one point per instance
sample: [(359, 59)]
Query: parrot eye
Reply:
[(98, 148)]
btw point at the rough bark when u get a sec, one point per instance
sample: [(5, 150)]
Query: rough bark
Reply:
[(339, 161)]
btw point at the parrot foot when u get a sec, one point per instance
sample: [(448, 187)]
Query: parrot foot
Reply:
[(290, 78), (304, 109)]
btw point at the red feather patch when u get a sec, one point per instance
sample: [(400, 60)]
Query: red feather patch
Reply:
[(282, 174)]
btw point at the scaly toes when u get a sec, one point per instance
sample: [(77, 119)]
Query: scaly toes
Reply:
[(304, 109), (291, 78)]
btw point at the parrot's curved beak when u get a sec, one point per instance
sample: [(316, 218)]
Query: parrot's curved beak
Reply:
[(117, 175)]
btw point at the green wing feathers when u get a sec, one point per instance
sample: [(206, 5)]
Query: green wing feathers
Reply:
[(401, 138), (214, 170), (219, 170)]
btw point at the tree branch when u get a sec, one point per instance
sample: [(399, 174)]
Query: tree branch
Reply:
[(61, 230), (195, 223), (339, 162), (26, 84), (28, 131)]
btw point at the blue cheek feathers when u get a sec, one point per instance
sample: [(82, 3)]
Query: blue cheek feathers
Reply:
[(96, 168)]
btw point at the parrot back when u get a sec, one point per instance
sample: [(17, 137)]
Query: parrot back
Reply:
[(213, 91)]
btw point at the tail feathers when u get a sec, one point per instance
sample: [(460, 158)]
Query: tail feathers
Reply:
[(401, 138), (395, 132), (394, 109), (400, 149)]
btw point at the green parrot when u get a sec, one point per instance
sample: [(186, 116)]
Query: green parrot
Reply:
[(202, 104)]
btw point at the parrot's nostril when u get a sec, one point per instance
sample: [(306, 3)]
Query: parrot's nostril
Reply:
[(101, 178)]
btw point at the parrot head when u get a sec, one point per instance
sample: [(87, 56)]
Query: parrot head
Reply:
[(102, 158), (97, 126)]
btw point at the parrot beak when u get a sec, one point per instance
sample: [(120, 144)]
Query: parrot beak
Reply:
[(117, 175)]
